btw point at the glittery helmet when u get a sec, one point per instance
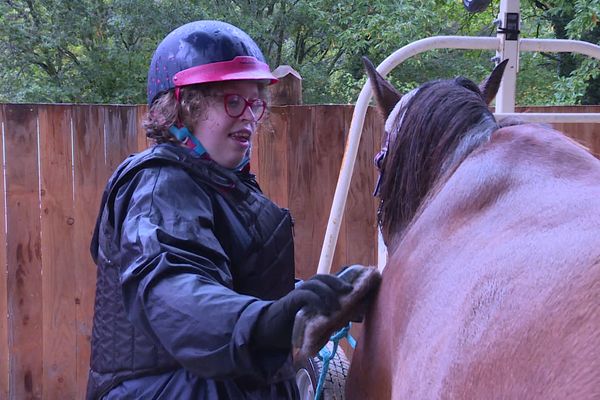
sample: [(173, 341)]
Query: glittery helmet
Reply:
[(202, 52)]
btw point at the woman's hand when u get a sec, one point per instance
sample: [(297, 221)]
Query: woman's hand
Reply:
[(319, 294)]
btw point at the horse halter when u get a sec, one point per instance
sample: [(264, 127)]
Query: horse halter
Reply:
[(379, 161), (390, 134)]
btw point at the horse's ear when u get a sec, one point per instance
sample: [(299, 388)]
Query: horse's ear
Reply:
[(385, 94), (490, 85)]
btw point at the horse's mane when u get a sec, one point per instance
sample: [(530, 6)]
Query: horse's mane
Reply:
[(443, 123)]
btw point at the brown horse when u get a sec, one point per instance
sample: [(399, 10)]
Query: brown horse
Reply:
[(492, 288)]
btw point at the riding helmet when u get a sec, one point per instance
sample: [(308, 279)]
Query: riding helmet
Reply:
[(202, 52)]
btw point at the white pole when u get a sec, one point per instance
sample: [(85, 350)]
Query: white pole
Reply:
[(561, 46), (562, 118), (509, 19)]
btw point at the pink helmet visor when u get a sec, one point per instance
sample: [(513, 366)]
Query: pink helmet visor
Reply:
[(240, 68)]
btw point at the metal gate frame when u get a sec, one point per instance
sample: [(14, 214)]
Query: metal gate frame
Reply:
[(507, 44)]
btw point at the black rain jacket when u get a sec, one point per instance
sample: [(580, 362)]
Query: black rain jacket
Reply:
[(189, 255)]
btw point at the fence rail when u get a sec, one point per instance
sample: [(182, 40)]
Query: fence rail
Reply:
[(56, 160)]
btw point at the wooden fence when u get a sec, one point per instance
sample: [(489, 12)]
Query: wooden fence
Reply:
[(56, 160)]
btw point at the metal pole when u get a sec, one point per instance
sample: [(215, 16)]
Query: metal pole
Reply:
[(561, 46), (562, 118), (509, 19)]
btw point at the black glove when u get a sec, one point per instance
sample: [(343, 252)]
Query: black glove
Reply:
[(319, 294), (348, 274)]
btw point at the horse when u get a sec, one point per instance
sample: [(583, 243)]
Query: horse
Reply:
[(492, 286)]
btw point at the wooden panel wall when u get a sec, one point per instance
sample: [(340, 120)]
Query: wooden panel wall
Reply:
[(56, 160), (56, 164)]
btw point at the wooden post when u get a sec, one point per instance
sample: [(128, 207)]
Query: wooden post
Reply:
[(288, 91)]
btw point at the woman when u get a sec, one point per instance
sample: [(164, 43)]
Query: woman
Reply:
[(195, 295)]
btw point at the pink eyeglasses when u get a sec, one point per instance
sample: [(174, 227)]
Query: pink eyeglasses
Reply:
[(235, 106)]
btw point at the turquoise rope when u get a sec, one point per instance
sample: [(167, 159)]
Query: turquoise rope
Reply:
[(326, 356)]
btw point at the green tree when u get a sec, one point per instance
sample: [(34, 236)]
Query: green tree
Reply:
[(579, 79), (84, 50), (99, 50)]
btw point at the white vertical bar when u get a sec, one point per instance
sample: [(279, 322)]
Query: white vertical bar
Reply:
[(505, 99)]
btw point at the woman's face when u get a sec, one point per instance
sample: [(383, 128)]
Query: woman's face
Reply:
[(225, 138)]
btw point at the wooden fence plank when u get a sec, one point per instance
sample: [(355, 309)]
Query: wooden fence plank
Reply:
[(141, 139), (359, 221), (58, 284), (23, 252), (120, 134), (4, 349), (90, 177), (359, 218), (270, 155), (329, 132), (300, 187)]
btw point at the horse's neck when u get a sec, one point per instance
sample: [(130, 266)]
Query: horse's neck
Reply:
[(438, 168)]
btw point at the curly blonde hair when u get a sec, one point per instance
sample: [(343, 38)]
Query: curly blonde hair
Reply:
[(192, 105), (166, 111)]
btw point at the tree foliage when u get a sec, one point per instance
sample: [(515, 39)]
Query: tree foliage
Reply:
[(82, 50), (98, 50)]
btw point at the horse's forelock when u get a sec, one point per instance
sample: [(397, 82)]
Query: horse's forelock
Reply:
[(395, 117), (431, 131)]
